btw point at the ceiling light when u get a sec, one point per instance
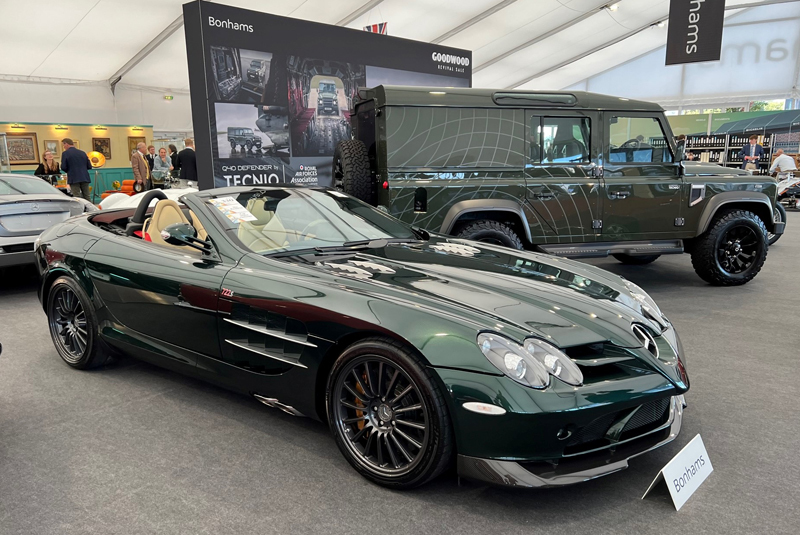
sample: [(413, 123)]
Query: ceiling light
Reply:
[(437, 92), (661, 24), (614, 6)]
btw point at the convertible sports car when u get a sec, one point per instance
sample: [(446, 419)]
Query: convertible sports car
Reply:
[(418, 350)]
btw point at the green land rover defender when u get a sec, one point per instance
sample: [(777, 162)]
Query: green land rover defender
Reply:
[(569, 173)]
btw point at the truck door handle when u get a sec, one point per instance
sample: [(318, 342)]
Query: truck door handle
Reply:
[(543, 196), (618, 194)]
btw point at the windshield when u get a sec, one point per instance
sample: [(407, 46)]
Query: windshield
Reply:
[(255, 64), (24, 186), (247, 132), (327, 88), (276, 220)]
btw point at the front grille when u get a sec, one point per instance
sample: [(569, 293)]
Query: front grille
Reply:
[(18, 248), (646, 417), (650, 415)]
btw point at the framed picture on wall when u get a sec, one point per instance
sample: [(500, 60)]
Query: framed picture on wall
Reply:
[(133, 141), (76, 143), (23, 148), (102, 145), (53, 146)]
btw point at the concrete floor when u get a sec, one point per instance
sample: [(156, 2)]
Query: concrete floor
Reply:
[(135, 449)]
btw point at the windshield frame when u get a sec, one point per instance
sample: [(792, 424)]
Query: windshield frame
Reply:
[(202, 198)]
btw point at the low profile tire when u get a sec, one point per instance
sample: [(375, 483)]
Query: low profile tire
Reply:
[(634, 260), (779, 217), (733, 250), (351, 171), (387, 415), (73, 325), (491, 232)]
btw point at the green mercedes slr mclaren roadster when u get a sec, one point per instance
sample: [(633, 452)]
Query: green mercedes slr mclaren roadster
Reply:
[(418, 350)]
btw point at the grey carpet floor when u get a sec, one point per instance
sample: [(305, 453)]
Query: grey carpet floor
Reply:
[(135, 449)]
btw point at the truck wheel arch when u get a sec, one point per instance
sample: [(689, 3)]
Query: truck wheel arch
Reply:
[(506, 206), (755, 202)]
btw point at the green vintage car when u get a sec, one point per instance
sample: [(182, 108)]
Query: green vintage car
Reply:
[(575, 174), (418, 350)]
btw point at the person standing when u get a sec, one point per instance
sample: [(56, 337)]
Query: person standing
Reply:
[(76, 164), (751, 153), (783, 161), (48, 170), (176, 163), (150, 157), (161, 168), (141, 169), (187, 160)]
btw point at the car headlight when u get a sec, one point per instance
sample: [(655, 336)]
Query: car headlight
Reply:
[(555, 361), (530, 364), (648, 304)]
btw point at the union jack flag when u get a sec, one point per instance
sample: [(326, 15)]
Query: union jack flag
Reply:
[(377, 28)]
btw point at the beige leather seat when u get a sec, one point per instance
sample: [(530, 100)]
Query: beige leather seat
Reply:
[(198, 226), (166, 213), (266, 232)]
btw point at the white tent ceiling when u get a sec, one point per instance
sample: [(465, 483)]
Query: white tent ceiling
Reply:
[(516, 43)]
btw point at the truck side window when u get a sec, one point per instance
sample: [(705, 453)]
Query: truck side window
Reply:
[(559, 140), (637, 140)]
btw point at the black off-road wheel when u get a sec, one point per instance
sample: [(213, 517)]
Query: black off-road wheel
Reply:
[(73, 325), (491, 232), (351, 171), (733, 250), (388, 416), (778, 217), (636, 260)]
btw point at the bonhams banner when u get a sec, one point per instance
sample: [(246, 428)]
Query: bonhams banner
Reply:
[(271, 96), (695, 31)]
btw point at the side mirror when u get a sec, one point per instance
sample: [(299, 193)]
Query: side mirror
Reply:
[(185, 234)]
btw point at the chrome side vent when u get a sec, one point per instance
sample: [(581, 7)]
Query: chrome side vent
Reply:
[(275, 404), (645, 338)]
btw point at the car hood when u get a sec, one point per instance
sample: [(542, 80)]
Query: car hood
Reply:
[(494, 288)]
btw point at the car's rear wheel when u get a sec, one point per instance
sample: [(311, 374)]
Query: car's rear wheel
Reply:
[(351, 170), (73, 325), (778, 217), (491, 232), (387, 415), (635, 260), (733, 250)]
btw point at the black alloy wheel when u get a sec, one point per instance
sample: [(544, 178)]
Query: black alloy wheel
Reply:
[(73, 325), (778, 217), (733, 250), (68, 324), (387, 416)]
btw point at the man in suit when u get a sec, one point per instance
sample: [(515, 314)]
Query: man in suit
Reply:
[(751, 153), (76, 164), (141, 171), (151, 157), (186, 157)]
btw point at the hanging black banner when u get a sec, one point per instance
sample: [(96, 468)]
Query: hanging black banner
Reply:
[(271, 95), (695, 31)]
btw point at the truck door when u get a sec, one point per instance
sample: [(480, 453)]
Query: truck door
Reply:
[(642, 180), (562, 175)]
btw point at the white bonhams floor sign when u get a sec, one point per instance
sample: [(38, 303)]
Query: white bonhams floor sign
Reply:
[(685, 472)]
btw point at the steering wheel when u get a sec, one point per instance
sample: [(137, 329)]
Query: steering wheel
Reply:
[(137, 221), (306, 232), (631, 144)]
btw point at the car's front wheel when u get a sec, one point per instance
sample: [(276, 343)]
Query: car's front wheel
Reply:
[(387, 415), (733, 250), (779, 217), (73, 325)]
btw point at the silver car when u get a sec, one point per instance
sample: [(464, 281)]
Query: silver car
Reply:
[(29, 205)]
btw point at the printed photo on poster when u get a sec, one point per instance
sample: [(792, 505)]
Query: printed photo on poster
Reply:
[(240, 75), (321, 94)]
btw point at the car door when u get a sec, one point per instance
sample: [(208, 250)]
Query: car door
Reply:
[(563, 187), (160, 293), (642, 182)]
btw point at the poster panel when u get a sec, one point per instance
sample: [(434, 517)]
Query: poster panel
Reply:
[(271, 96)]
